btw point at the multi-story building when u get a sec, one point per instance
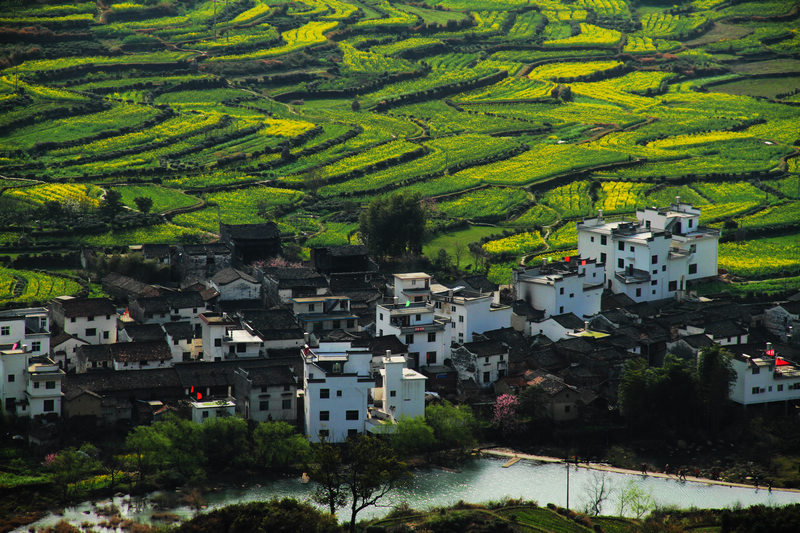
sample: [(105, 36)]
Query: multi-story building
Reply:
[(469, 311), (31, 385), (168, 307), (26, 327), (574, 285), (483, 361), (266, 392), (227, 338), (324, 313), (411, 287), (402, 390), (764, 379), (655, 256), (336, 387), (427, 335), (91, 319)]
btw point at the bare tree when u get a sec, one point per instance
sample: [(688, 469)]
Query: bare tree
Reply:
[(596, 492)]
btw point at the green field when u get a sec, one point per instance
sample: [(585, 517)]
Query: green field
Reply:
[(523, 114)]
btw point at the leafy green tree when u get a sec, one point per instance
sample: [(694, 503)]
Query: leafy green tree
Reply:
[(393, 225), (148, 449), (715, 376), (111, 204), (412, 436), (372, 471), (278, 444), (327, 471), (70, 466), (143, 203), (185, 459), (453, 426), (225, 442)]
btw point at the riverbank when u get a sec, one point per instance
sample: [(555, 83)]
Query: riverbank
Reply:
[(507, 452)]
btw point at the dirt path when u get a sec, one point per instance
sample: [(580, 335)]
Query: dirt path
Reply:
[(507, 452)]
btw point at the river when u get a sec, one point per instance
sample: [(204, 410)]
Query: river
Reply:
[(478, 481)]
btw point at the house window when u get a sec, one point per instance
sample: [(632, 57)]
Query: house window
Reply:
[(336, 324), (392, 393), (756, 370), (310, 308), (263, 405), (105, 335), (417, 318), (691, 222), (323, 433), (461, 319), (351, 323), (755, 390), (780, 388), (603, 240), (175, 342), (673, 285), (205, 414), (654, 282), (286, 388), (10, 403), (603, 257), (286, 404), (36, 346), (621, 246), (91, 332), (486, 360), (486, 377), (693, 268), (35, 384), (566, 408), (324, 416), (90, 319), (591, 239), (561, 290), (187, 356), (49, 406), (11, 378), (452, 308), (217, 342), (324, 393), (410, 338), (241, 347), (351, 415), (620, 263), (72, 319), (430, 357), (631, 248), (339, 393), (5, 330), (380, 316), (432, 334), (638, 292), (663, 268), (50, 385), (572, 295)]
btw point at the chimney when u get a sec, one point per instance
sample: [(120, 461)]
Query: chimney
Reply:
[(306, 338), (585, 325), (387, 356)]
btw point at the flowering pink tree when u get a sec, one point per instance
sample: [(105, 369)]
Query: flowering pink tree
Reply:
[(504, 414)]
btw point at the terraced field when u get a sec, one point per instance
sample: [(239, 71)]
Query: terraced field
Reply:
[(528, 115)]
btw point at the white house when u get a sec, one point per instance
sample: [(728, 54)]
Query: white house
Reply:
[(411, 287), (558, 327), (146, 355), (202, 411), (13, 364), (469, 311), (427, 335), (91, 319), (26, 327), (483, 361), (764, 379), (181, 341), (266, 393), (227, 338), (183, 306), (655, 256), (43, 393), (234, 284), (574, 285), (336, 387), (402, 390), (63, 347)]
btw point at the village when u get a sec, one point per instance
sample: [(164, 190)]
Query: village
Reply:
[(339, 348)]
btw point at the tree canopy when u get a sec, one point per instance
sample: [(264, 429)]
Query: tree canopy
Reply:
[(393, 225)]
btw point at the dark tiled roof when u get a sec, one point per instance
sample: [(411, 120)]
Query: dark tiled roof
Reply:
[(724, 328), (485, 348), (266, 230), (179, 330), (477, 282), (144, 332), (155, 250), (61, 338), (119, 382), (575, 344), (568, 321), (77, 307), (273, 324), (288, 278), (265, 376), (698, 341), (129, 352), (229, 275), (379, 345), (171, 300), (523, 308), (128, 285), (792, 307), (94, 352), (215, 248)]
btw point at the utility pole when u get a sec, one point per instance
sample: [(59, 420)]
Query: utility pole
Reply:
[(566, 463)]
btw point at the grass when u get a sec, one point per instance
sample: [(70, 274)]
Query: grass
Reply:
[(163, 198), (450, 241)]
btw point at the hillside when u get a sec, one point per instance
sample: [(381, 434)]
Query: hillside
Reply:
[(520, 116)]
